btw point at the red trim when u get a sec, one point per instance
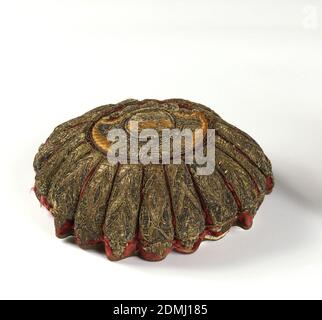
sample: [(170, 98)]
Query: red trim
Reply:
[(245, 220), (215, 234), (87, 244), (66, 229), (130, 248), (153, 257), (180, 248), (269, 184), (108, 249), (44, 202)]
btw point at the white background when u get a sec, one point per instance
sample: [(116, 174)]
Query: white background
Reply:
[(258, 63)]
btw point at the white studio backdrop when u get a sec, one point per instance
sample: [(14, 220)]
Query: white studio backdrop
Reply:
[(257, 63)]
